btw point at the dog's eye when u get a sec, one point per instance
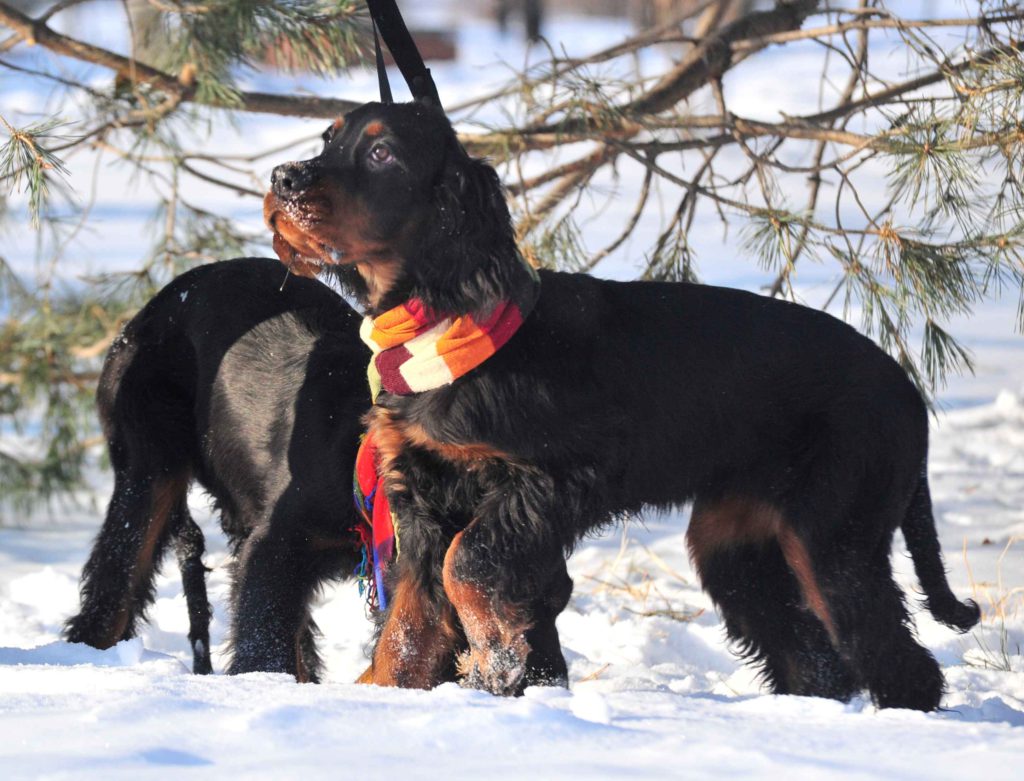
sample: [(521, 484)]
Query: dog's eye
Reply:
[(381, 154)]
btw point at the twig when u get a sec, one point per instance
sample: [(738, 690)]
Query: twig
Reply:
[(58, 7), (596, 674), (872, 24), (568, 184), (683, 616), (221, 182), (627, 231)]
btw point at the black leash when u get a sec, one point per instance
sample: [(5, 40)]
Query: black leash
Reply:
[(382, 72), (388, 21)]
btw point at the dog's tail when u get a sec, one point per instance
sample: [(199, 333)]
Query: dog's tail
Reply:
[(923, 542)]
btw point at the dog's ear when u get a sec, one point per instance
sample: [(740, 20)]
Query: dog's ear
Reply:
[(482, 194), (470, 255), (470, 196)]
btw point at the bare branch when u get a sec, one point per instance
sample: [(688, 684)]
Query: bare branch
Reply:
[(569, 184), (788, 36)]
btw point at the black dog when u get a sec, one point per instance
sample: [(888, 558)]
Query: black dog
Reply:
[(801, 444), (254, 390)]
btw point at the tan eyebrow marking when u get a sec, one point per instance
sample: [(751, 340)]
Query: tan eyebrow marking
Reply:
[(374, 129)]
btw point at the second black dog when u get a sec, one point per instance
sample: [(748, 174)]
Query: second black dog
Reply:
[(254, 390)]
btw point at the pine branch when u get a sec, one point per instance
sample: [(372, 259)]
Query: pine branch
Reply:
[(28, 160), (945, 236), (35, 32)]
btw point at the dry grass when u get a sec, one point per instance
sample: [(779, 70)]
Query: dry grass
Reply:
[(999, 603), (630, 577), (596, 674)]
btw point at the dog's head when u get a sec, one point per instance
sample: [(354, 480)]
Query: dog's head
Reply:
[(395, 205)]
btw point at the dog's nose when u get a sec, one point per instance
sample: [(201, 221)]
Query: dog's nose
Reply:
[(290, 179)]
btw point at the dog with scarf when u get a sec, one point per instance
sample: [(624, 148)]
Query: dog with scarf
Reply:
[(515, 412)]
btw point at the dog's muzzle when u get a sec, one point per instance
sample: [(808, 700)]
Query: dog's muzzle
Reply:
[(292, 179)]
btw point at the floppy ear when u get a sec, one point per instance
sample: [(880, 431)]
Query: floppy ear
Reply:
[(470, 255), (471, 186)]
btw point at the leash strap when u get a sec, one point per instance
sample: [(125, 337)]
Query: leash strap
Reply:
[(382, 72), (387, 18)]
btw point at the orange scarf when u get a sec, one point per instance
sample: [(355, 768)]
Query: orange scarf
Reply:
[(415, 351)]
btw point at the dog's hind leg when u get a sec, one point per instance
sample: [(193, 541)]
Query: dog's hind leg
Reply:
[(147, 421), (117, 581), (763, 602), (838, 543), (190, 546), (873, 628), (838, 547)]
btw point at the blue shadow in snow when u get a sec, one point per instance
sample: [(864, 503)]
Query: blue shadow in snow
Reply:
[(170, 756), (993, 710)]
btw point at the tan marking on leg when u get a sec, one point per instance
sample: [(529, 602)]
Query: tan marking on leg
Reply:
[(799, 561), (414, 644), (165, 493), (730, 522), (733, 521), (488, 626)]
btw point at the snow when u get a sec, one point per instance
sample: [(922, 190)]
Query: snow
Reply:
[(655, 691)]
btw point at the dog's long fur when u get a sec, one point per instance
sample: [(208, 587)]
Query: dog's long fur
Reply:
[(801, 444), (254, 390)]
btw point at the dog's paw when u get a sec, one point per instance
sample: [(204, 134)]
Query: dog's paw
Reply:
[(500, 671)]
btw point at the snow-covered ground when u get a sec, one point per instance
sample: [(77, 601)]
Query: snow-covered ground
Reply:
[(655, 691)]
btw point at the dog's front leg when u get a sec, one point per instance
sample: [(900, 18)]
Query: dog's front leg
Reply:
[(496, 629), (545, 664), (279, 570), (507, 598), (417, 640)]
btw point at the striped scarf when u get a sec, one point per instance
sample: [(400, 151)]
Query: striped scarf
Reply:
[(415, 350)]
